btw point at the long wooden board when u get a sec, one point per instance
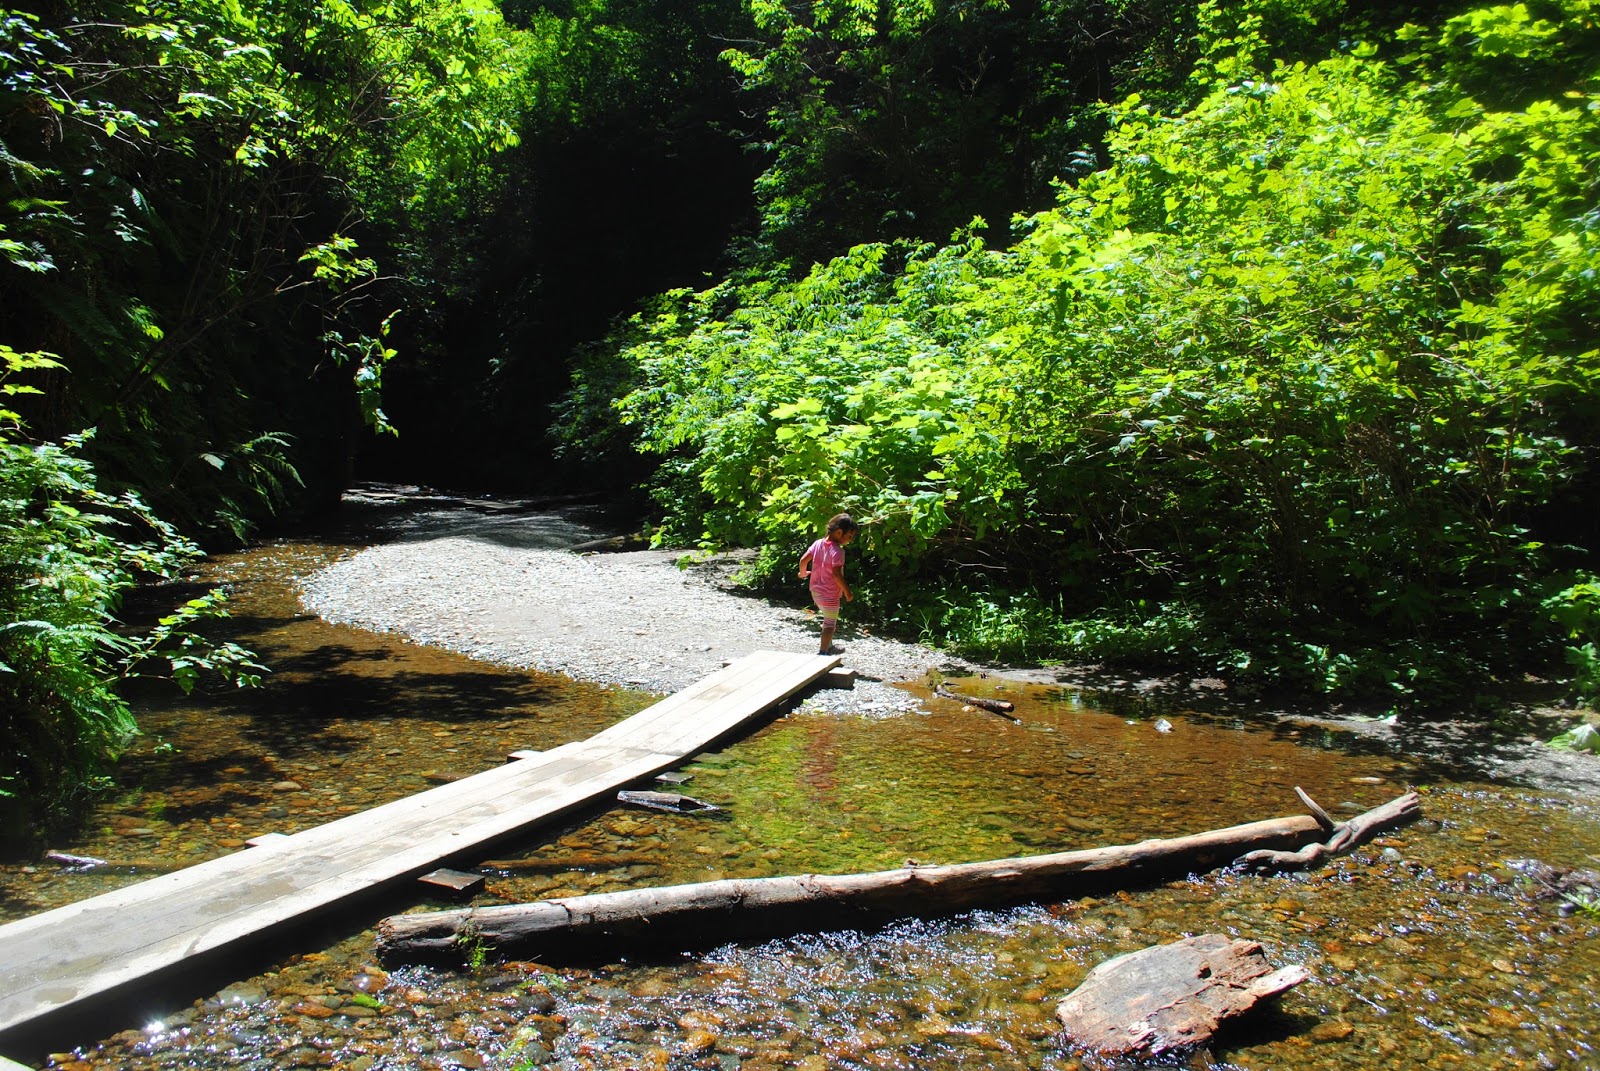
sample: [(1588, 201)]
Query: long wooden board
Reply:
[(59, 960)]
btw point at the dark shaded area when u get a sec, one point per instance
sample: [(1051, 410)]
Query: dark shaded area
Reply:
[(174, 294), (1271, 1022), (1464, 750), (310, 687), (584, 225)]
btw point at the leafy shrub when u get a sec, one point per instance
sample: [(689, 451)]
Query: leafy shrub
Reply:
[(1017, 628), (68, 553), (1576, 612), (1579, 738), (1305, 363)]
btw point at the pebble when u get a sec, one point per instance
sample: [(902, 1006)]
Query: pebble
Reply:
[(242, 993), (698, 1043), (531, 1054)]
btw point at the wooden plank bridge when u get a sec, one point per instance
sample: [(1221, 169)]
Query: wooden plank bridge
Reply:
[(71, 957)]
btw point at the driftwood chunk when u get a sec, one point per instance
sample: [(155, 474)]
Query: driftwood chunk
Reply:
[(675, 802), (996, 706), (1171, 997), (453, 882), (838, 677), (75, 862)]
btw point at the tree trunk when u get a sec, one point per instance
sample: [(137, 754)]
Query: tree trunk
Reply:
[(685, 915)]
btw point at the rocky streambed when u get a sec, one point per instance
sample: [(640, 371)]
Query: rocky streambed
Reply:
[(649, 620)]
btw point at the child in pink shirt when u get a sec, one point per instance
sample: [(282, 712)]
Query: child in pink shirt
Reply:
[(823, 564)]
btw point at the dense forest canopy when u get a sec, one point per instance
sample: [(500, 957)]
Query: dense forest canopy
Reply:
[(1253, 339)]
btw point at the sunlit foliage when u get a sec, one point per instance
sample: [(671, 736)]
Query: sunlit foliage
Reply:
[(68, 552), (186, 186), (187, 314), (1287, 391)]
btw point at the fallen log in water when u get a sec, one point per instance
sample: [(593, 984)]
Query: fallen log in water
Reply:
[(687, 914), (102, 868), (75, 862), (997, 706), (1345, 835)]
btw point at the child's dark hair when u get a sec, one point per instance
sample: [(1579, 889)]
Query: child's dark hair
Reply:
[(842, 522)]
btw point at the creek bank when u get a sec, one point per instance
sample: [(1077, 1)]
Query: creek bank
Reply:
[(506, 587)]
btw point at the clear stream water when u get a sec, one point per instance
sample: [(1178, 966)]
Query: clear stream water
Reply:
[(1425, 949)]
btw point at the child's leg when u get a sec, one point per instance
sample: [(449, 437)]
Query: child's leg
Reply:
[(830, 621)]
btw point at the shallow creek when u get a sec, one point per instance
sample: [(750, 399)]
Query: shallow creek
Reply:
[(1424, 950)]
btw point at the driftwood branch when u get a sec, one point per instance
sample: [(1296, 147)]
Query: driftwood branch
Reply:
[(1346, 835), (687, 914), (581, 861), (103, 868), (997, 706), (672, 802), (1315, 810)]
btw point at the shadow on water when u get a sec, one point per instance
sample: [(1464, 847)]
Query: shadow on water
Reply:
[(1424, 950), (1450, 750), (399, 693)]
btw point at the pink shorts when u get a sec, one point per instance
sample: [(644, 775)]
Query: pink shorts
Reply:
[(829, 611)]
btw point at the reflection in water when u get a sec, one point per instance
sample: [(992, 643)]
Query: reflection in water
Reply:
[(1423, 952)]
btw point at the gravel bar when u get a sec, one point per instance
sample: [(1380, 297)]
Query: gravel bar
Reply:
[(509, 591)]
